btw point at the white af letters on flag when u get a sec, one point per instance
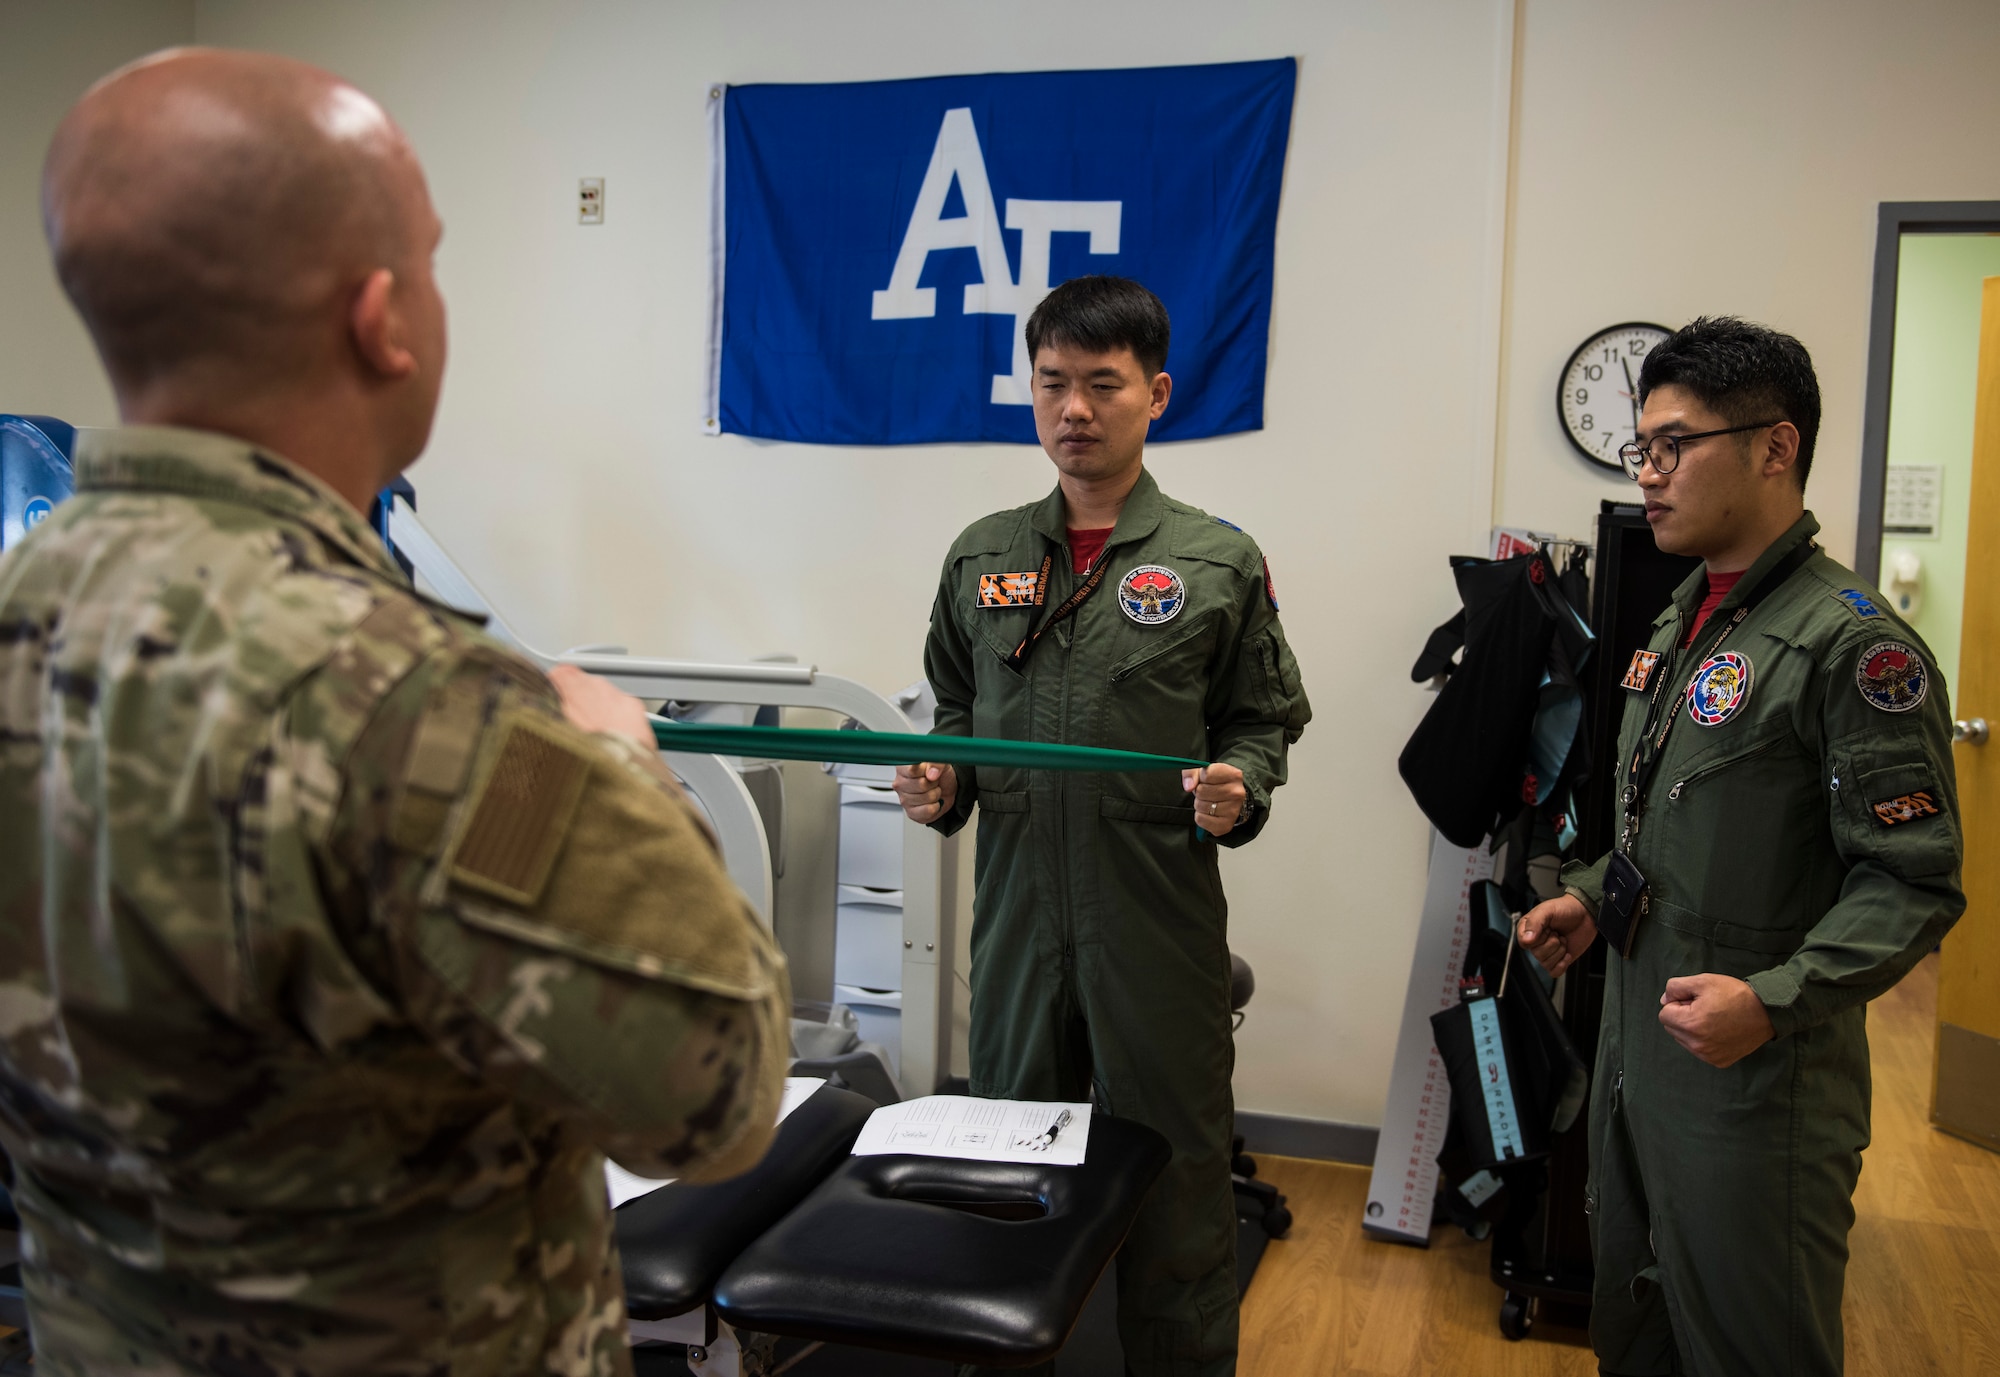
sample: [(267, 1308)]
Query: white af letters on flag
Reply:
[(957, 157), (883, 243)]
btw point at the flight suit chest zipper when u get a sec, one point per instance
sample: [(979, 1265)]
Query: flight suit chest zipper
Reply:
[(1065, 915), (1705, 771)]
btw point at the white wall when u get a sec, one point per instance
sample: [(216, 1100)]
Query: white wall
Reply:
[(1713, 156), (568, 476), (50, 51)]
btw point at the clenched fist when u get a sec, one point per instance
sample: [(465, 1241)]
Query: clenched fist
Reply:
[(927, 791)]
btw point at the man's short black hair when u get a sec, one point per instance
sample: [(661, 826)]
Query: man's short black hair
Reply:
[(1101, 314), (1744, 373)]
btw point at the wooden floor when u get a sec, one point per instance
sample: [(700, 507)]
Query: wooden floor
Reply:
[(1923, 1286)]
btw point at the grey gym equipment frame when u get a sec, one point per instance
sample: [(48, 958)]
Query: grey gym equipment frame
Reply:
[(1894, 219), (930, 881)]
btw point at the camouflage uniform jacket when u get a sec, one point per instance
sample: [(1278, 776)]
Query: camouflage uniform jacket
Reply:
[(332, 959)]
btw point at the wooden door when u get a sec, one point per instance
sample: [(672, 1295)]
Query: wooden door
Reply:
[(1965, 1088)]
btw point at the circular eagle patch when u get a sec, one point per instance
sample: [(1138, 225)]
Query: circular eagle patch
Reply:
[(1892, 676), (1719, 688), (1152, 594)]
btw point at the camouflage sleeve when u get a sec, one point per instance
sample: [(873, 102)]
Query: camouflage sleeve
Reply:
[(1257, 705), (1892, 803), (542, 903)]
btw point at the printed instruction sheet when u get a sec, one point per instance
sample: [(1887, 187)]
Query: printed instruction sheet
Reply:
[(979, 1130), (624, 1185)]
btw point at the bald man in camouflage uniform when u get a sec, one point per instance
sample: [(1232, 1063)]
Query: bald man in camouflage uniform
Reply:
[(338, 944)]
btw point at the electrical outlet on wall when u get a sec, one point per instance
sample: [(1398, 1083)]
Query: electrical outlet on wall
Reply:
[(590, 201)]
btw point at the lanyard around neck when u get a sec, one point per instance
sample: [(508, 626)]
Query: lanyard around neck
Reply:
[(1069, 604), (1639, 774)]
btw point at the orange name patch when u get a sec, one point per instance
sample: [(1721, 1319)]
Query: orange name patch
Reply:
[(1009, 590), (1640, 670), (1893, 812)]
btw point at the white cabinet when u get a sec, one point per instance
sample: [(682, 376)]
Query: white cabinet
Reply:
[(871, 838), (868, 938)]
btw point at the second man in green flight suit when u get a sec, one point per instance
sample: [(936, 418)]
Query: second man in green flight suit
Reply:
[(1789, 848), (1109, 614)]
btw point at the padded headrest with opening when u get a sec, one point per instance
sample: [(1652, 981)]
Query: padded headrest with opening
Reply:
[(676, 1241), (932, 1256)]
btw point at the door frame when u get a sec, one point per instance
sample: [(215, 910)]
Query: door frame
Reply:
[(1894, 219)]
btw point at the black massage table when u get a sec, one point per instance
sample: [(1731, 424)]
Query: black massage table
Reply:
[(966, 1262)]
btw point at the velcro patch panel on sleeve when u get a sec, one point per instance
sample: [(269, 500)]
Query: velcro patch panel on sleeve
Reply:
[(1893, 812), (520, 813)]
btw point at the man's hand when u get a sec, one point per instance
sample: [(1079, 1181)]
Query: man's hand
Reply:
[(1717, 1017), (927, 791), (1219, 797), (592, 704), (1555, 933)]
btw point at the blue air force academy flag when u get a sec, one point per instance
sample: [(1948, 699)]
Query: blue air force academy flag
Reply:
[(882, 244)]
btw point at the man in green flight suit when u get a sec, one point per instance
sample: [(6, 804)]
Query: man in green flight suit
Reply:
[(1109, 614), (338, 943), (1789, 848)]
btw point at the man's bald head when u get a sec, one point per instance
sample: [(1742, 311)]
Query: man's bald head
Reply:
[(213, 213)]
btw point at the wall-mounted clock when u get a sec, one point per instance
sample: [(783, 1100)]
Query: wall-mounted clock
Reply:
[(1597, 398)]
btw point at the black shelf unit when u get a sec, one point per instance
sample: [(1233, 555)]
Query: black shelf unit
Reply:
[(1541, 1252)]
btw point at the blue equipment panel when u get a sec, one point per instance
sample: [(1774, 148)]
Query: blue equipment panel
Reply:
[(34, 472)]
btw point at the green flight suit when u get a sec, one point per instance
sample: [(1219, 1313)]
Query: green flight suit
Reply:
[(1100, 955), (1809, 844)]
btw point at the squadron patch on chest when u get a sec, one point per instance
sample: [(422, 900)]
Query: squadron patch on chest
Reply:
[(1894, 812), (1719, 688), (1152, 594), (1858, 602), (1892, 677), (1640, 672), (1009, 590)]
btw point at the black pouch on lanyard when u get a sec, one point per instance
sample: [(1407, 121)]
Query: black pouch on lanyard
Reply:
[(1618, 914)]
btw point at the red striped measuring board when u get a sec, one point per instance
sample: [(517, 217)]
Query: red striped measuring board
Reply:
[(1404, 1182)]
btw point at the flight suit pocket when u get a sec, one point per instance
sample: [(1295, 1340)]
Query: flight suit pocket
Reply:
[(1727, 829), (1001, 697), (1282, 694), (1168, 652), (1131, 810), (1156, 698), (1894, 813)]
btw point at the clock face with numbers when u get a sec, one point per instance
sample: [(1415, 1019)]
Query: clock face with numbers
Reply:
[(1598, 397)]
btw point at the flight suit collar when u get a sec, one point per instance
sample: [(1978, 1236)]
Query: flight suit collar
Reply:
[(199, 463), (1688, 597), (1140, 516)]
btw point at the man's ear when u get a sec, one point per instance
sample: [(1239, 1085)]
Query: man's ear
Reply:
[(1163, 388), (1781, 448), (376, 327)]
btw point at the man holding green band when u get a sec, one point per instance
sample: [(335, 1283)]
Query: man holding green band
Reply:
[(1110, 615)]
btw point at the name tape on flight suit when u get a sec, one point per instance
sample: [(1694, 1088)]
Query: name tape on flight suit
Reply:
[(1894, 812), (1640, 671), (1009, 590)]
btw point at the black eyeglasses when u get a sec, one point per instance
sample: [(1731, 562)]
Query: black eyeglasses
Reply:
[(1635, 456)]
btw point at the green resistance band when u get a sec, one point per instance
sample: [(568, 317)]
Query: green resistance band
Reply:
[(902, 748)]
